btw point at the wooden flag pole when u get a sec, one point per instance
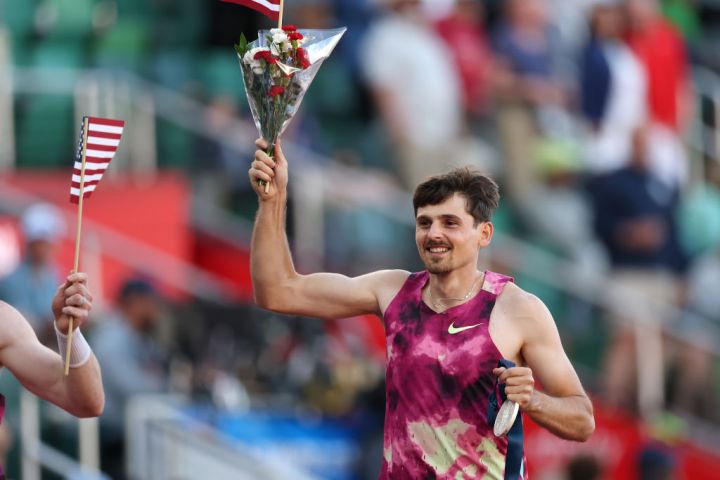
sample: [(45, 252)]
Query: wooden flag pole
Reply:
[(77, 238), (280, 19)]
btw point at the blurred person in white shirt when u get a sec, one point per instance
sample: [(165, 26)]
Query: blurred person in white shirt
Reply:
[(416, 88)]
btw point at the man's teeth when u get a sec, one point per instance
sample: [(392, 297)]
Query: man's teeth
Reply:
[(439, 249)]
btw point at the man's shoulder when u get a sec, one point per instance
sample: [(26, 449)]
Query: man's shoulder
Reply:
[(390, 278), (520, 304)]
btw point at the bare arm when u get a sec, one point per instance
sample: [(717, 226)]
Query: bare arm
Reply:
[(276, 284), (40, 369), (563, 407)]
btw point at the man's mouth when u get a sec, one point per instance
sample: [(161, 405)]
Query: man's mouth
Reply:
[(438, 249)]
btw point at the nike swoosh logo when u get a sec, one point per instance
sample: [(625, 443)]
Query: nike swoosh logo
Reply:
[(452, 329)]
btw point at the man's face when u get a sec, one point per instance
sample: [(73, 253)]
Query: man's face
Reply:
[(446, 235), (40, 252), (142, 311)]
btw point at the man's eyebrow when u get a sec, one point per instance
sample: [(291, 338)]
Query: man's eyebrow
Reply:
[(444, 216)]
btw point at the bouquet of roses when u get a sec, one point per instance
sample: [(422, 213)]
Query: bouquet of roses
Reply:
[(278, 69)]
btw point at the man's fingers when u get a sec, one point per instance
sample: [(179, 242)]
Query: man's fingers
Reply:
[(514, 372), (520, 380), (261, 156), (261, 143), (77, 313), (258, 175), (263, 167), (78, 277), (80, 301), (78, 289)]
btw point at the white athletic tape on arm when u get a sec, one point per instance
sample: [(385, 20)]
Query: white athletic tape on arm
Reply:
[(79, 352)]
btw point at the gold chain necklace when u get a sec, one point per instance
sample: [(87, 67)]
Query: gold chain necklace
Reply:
[(464, 298)]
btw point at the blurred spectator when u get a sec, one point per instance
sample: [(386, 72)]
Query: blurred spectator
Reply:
[(684, 15), (692, 389), (416, 90), (584, 467), (132, 362), (465, 35), (657, 462), (529, 87), (661, 51), (32, 285), (613, 90), (635, 220), (700, 213), (557, 211)]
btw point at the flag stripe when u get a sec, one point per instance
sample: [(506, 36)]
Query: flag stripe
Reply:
[(106, 121), (100, 148), (92, 165), (89, 185), (104, 128), (115, 136), (99, 154), (269, 8), (93, 177), (75, 189), (112, 142), (78, 171), (76, 198)]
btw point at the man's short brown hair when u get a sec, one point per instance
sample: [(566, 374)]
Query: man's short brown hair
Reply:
[(481, 193)]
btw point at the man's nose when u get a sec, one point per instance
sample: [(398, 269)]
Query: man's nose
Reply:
[(435, 230)]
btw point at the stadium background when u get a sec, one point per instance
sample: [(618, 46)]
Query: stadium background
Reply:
[(278, 397)]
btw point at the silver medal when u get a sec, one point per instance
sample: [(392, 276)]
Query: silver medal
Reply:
[(505, 418)]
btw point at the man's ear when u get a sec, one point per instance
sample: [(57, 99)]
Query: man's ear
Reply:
[(486, 233)]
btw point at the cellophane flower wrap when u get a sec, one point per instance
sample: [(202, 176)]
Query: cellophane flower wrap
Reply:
[(278, 69)]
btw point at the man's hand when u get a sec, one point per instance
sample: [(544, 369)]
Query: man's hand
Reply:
[(72, 299), (519, 385), (273, 170)]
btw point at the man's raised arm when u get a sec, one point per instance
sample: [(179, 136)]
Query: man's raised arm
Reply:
[(276, 284)]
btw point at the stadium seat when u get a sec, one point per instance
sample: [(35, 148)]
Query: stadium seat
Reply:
[(46, 131), (18, 17), (220, 75), (124, 46), (69, 19)]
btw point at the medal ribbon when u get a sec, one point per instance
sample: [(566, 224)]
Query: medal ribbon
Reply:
[(514, 456)]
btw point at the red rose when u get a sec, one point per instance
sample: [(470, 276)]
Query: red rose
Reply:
[(289, 28), (295, 36), (303, 58), (276, 90)]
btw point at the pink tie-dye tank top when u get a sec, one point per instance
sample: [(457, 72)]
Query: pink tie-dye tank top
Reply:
[(437, 387)]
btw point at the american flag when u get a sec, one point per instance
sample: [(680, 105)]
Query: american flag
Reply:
[(103, 138), (269, 8)]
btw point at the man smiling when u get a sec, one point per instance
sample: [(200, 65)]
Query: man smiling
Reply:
[(451, 332)]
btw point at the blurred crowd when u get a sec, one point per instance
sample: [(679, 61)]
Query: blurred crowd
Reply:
[(580, 109)]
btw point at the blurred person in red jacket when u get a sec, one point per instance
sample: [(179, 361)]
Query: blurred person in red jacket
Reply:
[(662, 52), (465, 35)]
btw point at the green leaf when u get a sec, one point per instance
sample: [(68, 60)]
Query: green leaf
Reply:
[(242, 46)]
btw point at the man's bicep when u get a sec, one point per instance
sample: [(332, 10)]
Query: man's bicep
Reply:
[(544, 354), (331, 295)]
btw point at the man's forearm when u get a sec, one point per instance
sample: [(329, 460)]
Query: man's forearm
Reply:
[(84, 390), (570, 417), (270, 261)]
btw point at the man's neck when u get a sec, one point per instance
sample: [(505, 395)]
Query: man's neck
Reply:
[(454, 284)]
